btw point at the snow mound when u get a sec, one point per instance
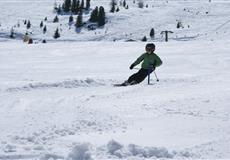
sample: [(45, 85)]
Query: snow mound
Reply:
[(51, 156), (113, 146), (120, 151), (149, 152), (80, 152), (65, 84), (116, 150)]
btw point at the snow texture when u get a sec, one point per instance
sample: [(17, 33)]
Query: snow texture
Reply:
[(57, 100)]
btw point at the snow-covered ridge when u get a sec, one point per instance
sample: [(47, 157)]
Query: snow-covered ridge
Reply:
[(65, 84)]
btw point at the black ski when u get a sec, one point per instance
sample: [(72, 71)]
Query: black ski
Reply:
[(120, 85), (125, 84)]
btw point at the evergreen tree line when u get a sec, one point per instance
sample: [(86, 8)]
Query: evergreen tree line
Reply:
[(97, 16), (114, 6), (73, 6)]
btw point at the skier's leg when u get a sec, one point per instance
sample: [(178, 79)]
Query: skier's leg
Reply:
[(137, 77), (142, 75), (133, 78)]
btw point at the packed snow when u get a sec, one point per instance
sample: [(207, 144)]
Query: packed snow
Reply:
[(58, 102)]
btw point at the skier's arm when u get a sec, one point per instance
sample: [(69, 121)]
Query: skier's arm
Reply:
[(139, 59), (158, 61)]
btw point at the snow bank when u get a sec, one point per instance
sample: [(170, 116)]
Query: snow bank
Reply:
[(149, 152), (113, 146), (80, 152), (51, 156), (132, 150), (114, 150)]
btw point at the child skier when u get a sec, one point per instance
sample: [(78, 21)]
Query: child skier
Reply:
[(150, 62)]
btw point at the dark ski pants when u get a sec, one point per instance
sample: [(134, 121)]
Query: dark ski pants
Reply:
[(139, 76)]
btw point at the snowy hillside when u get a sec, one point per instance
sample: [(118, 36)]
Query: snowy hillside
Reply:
[(200, 20), (58, 101)]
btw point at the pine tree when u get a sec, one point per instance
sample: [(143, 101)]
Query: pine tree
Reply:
[(44, 30), (56, 19), (94, 15), (152, 33), (45, 19), (113, 6), (71, 18), (63, 6), (67, 5), (28, 25), (59, 9), (82, 4), (127, 7), (77, 7), (124, 3), (179, 25), (101, 16), (144, 39), (79, 21), (41, 24), (74, 6), (56, 34), (12, 33), (87, 5), (117, 10), (25, 22)]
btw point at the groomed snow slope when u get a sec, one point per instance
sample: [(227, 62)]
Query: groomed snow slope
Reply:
[(57, 101)]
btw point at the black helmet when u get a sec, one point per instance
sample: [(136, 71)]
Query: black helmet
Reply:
[(150, 45)]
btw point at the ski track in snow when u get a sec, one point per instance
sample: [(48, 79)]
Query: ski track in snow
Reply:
[(65, 84)]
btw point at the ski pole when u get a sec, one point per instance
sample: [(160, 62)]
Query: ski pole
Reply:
[(156, 76), (149, 76)]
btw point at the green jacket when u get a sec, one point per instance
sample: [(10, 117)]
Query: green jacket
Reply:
[(149, 60)]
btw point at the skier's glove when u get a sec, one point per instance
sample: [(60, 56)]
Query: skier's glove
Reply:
[(132, 66)]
